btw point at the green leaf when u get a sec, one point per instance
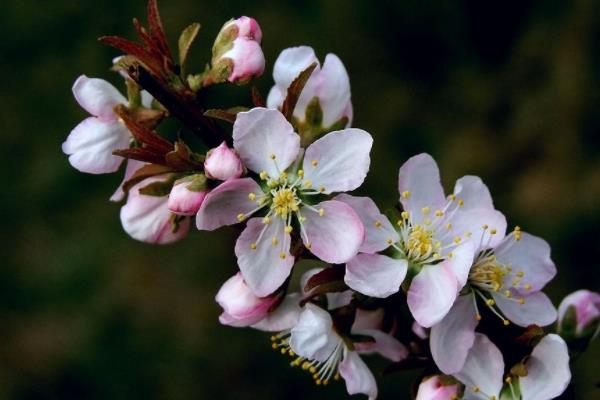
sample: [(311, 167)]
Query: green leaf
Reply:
[(157, 189), (186, 39), (314, 113)]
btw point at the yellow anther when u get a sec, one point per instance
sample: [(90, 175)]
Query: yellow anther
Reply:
[(274, 346), (478, 317), (307, 184), (527, 286), (321, 189), (493, 398), (520, 274), (308, 245), (377, 224), (490, 302), (314, 163), (389, 241), (273, 338), (321, 212), (522, 300), (305, 365), (266, 220), (251, 196), (517, 228), (405, 215), (476, 389), (508, 293), (301, 219), (450, 254), (288, 229), (241, 217), (399, 222), (508, 380), (312, 370), (439, 213), (457, 239), (274, 241), (461, 202), (425, 210), (406, 194), (282, 255), (283, 176), (272, 183), (484, 227), (272, 156), (493, 232), (325, 382), (263, 175), (506, 322), (318, 382), (436, 256), (283, 350), (300, 173), (253, 246), (452, 197), (336, 376), (438, 245), (448, 226)]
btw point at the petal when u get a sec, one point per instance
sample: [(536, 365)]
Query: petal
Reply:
[(472, 223), (339, 161), (132, 166), (384, 344), (432, 293), (378, 229), (333, 89), (290, 63), (419, 186), (91, 144), (223, 204), (359, 378), (313, 336), (339, 299), (537, 309), (548, 373), (148, 219), (261, 134), (260, 255), (473, 192), (433, 388), (284, 317), (97, 96), (375, 275), (336, 234), (461, 262), (452, 338), (483, 368), (531, 256)]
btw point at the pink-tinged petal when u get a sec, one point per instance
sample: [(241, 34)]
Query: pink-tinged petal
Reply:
[(264, 257), (290, 63), (379, 232), (586, 305), (473, 193), (132, 166), (247, 58), (339, 161), (265, 141), (483, 368), (98, 97), (284, 317), (339, 299), (359, 378), (433, 388), (548, 373), (536, 308), (91, 144), (313, 336), (419, 186), (385, 345), (226, 202), (306, 277), (478, 225), (461, 262), (432, 293), (334, 234), (419, 331), (368, 319), (148, 219), (223, 163), (452, 338), (240, 306), (333, 89), (531, 256), (375, 275), (183, 201)]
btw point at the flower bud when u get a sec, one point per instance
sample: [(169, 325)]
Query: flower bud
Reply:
[(223, 163), (237, 55), (240, 306), (187, 195), (437, 387), (579, 315)]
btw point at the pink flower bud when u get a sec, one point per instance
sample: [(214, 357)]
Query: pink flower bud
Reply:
[(586, 307), (187, 195), (238, 47), (240, 306), (434, 388), (223, 163)]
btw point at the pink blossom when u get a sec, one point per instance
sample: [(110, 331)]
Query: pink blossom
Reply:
[(329, 84), (433, 236), (184, 199), (268, 146), (586, 305), (223, 163), (435, 388)]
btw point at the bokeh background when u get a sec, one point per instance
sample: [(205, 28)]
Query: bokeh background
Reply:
[(507, 90)]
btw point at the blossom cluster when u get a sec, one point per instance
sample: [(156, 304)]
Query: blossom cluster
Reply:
[(432, 283)]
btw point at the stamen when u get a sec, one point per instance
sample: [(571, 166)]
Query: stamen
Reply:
[(314, 163), (405, 194)]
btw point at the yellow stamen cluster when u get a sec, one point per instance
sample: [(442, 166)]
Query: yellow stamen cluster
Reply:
[(488, 273), (420, 241), (285, 202)]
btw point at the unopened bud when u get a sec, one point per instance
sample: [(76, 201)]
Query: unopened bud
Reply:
[(187, 195), (223, 163), (579, 315), (438, 387)]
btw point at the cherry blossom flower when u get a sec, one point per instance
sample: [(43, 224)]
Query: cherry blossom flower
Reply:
[(579, 314), (508, 278), (548, 372), (437, 388), (268, 146), (329, 84), (223, 163), (147, 218), (432, 240)]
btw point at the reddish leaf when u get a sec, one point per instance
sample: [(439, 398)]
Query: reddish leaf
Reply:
[(143, 134), (257, 98), (181, 158), (327, 276), (294, 91), (156, 28), (146, 171), (223, 115), (141, 154)]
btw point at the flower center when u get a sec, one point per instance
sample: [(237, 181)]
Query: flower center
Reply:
[(420, 241), (284, 202), (488, 273)]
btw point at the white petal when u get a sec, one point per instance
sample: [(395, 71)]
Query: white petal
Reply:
[(537, 309), (284, 317), (265, 141), (97, 96), (548, 373), (471, 223), (385, 345), (375, 275), (339, 161), (473, 192), (334, 89), (131, 168), (359, 378), (290, 63), (313, 336)]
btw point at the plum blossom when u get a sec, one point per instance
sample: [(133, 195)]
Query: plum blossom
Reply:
[(508, 278), (91, 144), (223, 163), (585, 318), (437, 388), (431, 242), (329, 84), (237, 48), (147, 217), (330, 229), (548, 372)]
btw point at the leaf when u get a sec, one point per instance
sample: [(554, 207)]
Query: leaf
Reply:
[(156, 28), (141, 154), (294, 91), (532, 332), (143, 134), (158, 189), (147, 171), (325, 277), (181, 158), (186, 39), (257, 98), (132, 49), (223, 115)]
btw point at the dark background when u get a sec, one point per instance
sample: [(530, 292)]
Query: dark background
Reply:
[(507, 90)]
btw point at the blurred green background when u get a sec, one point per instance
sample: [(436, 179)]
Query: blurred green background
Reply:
[(507, 90)]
